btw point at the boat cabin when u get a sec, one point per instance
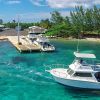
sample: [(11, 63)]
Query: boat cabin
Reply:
[(79, 73), (34, 31), (81, 68)]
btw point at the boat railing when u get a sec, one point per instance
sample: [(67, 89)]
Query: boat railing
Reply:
[(49, 48), (96, 65), (93, 66), (87, 64), (97, 62), (52, 66)]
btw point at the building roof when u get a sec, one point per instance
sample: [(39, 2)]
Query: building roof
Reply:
[(2, 26), (37, 29), (84, 55)]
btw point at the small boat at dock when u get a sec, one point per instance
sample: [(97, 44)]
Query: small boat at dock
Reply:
[(44, 43), (35, 35)]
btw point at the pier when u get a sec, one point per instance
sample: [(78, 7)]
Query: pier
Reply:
[(25, 42), (25, 45), (3, 38)]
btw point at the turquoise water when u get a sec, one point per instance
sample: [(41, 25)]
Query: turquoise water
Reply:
[(23, 76)]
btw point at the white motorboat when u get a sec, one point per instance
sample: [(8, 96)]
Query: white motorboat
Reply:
[(44, 43), (34, 32), (35, 35), (80, 74)]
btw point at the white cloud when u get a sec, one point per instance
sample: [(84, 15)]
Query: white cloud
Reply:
[(38, 2), (65, 3), (96, 2), (13, 1), (69, 3)]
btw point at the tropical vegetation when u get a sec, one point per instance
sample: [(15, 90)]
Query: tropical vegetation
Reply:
[(81, 21)]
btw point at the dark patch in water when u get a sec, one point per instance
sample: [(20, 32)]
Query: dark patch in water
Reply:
[(18, 59), (2, 63), (2, 53)]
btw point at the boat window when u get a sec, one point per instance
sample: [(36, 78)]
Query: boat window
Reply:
[(97, 75), (83, 74), (70, 71)]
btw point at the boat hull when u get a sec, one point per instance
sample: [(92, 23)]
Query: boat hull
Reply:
[(78, 83)]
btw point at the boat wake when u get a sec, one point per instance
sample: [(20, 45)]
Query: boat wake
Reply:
[(26, 74)]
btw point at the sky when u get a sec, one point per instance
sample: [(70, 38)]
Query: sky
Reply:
[(35, 10)]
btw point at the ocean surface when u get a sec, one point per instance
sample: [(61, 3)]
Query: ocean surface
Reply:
[(23, 76)]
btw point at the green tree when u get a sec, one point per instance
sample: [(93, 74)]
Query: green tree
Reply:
[(56, 17), (45, 23)]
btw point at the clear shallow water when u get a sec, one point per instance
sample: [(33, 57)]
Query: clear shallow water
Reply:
[(23, 76)]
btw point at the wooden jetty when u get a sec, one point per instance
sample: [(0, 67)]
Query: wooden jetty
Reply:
[(3, 38), (25, 45)]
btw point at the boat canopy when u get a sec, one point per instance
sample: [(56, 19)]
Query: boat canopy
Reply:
[(84, 55)]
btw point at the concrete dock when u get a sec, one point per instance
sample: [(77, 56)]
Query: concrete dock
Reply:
[(3, 38), (25, 45)]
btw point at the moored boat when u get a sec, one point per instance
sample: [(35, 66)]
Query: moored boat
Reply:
[(36, 36)]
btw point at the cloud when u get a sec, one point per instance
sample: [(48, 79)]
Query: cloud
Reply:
[(65, 3), (38, 2), (69, 3), (97, 2), (10, 1), (13, 1)]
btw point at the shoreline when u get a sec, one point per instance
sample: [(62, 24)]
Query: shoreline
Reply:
[(74, 39), (3, 38), (5, 34)]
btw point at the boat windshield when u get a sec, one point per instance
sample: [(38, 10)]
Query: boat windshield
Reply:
[(97, 75), (70, 71)]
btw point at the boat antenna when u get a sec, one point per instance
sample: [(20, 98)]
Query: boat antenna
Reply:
[(78, 43), (18, 30)]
